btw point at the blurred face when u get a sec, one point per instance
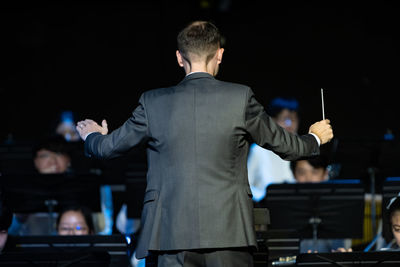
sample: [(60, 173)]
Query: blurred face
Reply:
[(73, 223), (395, 221), (289, 120), (3, 239), (306, 173), (50, 162)]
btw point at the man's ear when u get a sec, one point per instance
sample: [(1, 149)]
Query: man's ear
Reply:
[(179, 58), (220, 52)]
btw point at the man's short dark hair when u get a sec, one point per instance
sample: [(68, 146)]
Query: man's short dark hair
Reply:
[(199, 38)]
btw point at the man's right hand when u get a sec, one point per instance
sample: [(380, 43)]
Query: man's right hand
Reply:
[(323, 130)]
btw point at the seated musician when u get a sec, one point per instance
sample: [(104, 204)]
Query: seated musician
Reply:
[(53, 155), (75, 220), (315, 170), (391, 239)]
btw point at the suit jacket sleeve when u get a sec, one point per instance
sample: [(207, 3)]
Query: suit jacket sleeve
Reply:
[(132, 133), (265, 132)]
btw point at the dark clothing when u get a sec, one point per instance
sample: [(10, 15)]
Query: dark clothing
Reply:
[(198, 135)]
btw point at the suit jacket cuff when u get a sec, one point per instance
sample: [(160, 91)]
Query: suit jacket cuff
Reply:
[(87, 143), (317, 138)]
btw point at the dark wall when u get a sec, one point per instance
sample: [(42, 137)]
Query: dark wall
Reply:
[(96, 57)]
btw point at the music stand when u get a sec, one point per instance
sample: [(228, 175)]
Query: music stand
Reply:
[(114, 246), (368, 159), (16, 158), (55, 259), (327, 210), (350, 259), (355, 157), (49, 192), (388, 159)]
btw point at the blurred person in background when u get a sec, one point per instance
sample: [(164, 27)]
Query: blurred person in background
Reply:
[(315, 170), (65, 126), (75, 220), (390, 238), (52, 155), (264, 166), (312, 170)]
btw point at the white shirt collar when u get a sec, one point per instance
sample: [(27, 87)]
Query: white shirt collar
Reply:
[(193, 72)]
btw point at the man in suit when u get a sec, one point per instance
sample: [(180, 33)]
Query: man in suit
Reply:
[(198, 208)]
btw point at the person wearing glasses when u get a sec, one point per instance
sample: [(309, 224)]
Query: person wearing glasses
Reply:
[(75, 220), (264, 166)]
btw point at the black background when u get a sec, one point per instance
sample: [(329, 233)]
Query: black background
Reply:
[(97, 57)]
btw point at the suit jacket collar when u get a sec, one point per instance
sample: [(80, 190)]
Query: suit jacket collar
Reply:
[(197, 75)]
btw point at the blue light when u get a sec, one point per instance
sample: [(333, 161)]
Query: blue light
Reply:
[(392, 179), (388, 137), (288, 122), (343, 181), (67, 116), (291, 104)]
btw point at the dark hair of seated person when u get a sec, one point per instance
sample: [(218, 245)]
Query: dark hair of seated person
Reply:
[(318, 162), (391, 209), (53, 143), (52, 155), (65, 228)]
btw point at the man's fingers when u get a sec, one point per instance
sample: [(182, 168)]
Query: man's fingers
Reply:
[(89, 122), (104, 124), (80, 124)]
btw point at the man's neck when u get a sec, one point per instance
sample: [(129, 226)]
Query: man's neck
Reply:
[(200, 67)]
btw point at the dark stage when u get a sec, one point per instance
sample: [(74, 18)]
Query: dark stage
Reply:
[(95, 58)]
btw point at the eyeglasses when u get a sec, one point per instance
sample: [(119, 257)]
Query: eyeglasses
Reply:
[(79, 229)]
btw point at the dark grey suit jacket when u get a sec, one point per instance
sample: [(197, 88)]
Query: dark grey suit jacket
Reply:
[(197, 135)]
